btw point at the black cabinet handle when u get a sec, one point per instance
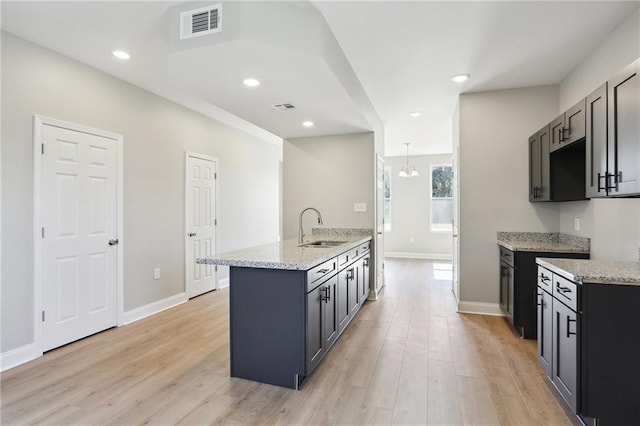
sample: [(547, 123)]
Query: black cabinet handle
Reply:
[(322, 271), (326, 294), (350, 274), (544, 278), (569, 321)]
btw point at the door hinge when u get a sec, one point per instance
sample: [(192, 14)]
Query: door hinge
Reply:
[(43, 232), (42, 316), (215, 268), (215, 222), (42, 145), (215, 175)]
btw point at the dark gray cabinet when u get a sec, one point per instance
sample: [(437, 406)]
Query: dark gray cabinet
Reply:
[(322, 324), (539, 170), (596, 143), (568, 128), (594, 347), (545, 329), (518, 287), (364, 280), (565, 352), (623, 143), (284, 322)]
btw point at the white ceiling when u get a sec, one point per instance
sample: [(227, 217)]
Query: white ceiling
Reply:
[(402, 53)]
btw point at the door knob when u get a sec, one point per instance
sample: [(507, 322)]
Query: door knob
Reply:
[(192, 234), (113, 242)]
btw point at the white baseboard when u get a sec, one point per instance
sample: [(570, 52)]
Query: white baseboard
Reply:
[(480, 308), (154, 307), (17, 356), (223, 283), (413, 255)]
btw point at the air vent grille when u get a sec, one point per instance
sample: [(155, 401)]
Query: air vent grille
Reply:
[(202, 21), (283, 107)]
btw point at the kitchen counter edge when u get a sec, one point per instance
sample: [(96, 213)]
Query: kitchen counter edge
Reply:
[(247, 258), (587, 271)]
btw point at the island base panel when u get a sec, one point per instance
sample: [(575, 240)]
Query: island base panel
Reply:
[(267, 325)]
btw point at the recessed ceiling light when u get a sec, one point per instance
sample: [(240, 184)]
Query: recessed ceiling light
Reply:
[(459, 78), (121, 54), (415, 114), (251, 82), (307, 123)]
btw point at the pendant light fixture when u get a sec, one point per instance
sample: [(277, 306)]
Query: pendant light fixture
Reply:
[(407, 171)]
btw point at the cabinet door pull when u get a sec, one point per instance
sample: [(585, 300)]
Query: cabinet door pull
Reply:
[(600, 177), (350, 275), (569, 321), (544, 278), (322, 271), (326, 294)]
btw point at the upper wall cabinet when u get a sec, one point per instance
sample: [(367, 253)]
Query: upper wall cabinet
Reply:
[(596, 148), (613, 136), (623, 143), (569, 127), (539, 188)]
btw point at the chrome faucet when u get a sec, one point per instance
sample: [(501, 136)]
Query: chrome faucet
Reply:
[(300, 231)]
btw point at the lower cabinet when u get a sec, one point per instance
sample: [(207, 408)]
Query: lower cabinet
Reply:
[(322, 323), (588, 345), (545, 330), (565, 353), (518, 287)]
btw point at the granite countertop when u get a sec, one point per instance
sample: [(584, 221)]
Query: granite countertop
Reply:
[(286, 254), (588, 271), (548, 242)]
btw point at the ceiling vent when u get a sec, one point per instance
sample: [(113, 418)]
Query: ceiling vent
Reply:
[(202, 21), (283, 107)]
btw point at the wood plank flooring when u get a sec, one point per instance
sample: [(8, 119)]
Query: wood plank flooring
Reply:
[(407, 359)]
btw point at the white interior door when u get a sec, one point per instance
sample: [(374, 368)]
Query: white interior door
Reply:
[(79, 235), (455, 284), (200, 223), (379, 224)]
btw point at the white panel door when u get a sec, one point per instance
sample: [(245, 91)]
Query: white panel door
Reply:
[(79, 211), (200, 224), (380, 224)]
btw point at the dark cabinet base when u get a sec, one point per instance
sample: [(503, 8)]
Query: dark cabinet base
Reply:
[(523, 315)]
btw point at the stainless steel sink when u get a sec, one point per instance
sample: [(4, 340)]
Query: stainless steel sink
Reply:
[(322, 243)]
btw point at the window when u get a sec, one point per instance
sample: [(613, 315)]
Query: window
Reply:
[(387, 199), (441, 198)]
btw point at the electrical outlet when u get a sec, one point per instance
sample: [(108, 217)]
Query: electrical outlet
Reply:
[(576, 224), (156, 274), (360, 207)]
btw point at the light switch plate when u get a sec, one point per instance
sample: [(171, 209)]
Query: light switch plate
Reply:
[(360, 207), (576, 224), (156, 274)]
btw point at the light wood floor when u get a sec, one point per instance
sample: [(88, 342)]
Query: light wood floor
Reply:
[(406, 359)]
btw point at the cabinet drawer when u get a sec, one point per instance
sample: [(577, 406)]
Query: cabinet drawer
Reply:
[(506, 256), (545, 279), (565, 291), (324, 270), (364, 247), (347, 257)]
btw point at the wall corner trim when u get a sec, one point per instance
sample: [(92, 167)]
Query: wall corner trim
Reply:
[(223, 283), (480, 308), (154, 307), (413, 255), (18, 356)]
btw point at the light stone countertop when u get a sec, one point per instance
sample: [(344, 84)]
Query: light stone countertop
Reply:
[(541, 246), (550, 242), (285, 254), (588, 271)]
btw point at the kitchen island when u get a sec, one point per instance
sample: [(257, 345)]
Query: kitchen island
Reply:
[(288, 304)]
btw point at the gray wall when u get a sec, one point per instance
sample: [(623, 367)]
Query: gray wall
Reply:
[(494, 180), (410, 209), (330, 173), (156, 134), (613, 225)]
